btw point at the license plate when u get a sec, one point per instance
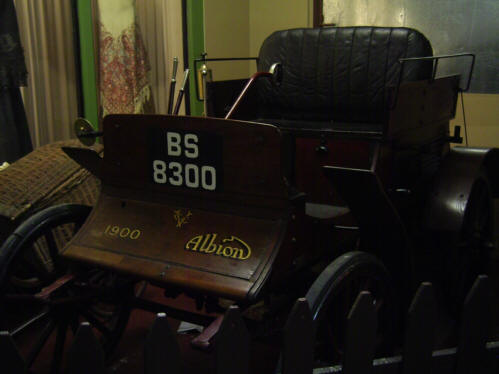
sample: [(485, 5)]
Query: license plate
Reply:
[(186, 159)]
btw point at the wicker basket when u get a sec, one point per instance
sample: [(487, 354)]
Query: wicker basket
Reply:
[(44, 177)]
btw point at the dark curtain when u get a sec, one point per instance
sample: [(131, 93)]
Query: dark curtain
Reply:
[(15, 140)]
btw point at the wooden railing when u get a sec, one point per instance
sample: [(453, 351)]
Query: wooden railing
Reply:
[(232, 349)]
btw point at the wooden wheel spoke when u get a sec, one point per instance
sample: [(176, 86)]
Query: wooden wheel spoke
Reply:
[(20, 299), (96, 323), (74, 324), (52, 245), (37, 318), (39, 268), (59, 347), (37, 347)]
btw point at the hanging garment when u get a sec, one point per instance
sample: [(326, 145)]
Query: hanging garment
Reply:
[(15, 140), (123, 64)]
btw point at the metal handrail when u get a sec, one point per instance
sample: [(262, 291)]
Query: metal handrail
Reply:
[(402, 62)]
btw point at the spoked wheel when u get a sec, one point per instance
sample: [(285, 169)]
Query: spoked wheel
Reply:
[(470, 257), (332, 295), (42, 302)]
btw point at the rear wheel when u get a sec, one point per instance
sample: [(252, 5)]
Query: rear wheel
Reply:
[(333, 293), (43, 301), (470, 256)]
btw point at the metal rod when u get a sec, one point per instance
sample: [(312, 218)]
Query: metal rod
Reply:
[(173, 81), (243, 93), (203, 59), (204, 73), (44, 313), (457, 55), (181, 93)]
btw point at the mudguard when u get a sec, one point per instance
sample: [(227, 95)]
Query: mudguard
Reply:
[(452, 186)]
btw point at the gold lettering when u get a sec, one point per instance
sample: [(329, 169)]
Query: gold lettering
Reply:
[(134, 234), (206, 244), (237, 254), (227, 252), (211, 247), (206, 240), (245, 246), (122, 232), (219, 250), (193, 244)]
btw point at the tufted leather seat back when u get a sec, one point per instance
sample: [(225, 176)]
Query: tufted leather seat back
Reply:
[(338, 73)]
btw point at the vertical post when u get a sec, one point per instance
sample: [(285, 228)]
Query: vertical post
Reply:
[(232, 344), (298, 340), (473, 334), (161, 351), (86, 354), (420, 328), (87, 58), (195, 46), (360, 336)]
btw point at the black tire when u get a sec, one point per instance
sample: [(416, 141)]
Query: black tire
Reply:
[(29, 263), (333, 293), (67, 219)]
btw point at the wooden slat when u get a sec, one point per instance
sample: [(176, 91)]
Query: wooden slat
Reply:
[(420, 329), (298, 340), (86, 354), (475, 320), (10, 358), (161, 351), (360, 336), (232, 344)]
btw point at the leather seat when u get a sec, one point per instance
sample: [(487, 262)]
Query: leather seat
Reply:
[(337, 75)]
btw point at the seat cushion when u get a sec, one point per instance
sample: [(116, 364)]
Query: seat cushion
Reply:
[(338, 73), (358, 130)]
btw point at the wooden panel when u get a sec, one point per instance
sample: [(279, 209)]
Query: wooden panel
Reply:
[(309, 161), (248, 155), (211, 251), (423, 111)]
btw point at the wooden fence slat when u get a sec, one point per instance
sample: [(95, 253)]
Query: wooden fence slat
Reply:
[(472, 356), (86, 354), (420, 331), (10, 359), (232, 344), (360, 336), (161, 350), (298, 340)]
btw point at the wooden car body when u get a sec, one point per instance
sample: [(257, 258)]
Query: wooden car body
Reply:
[(194, 203)]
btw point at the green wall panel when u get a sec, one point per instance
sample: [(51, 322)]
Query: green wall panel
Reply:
[(87, 56), (195, 41)]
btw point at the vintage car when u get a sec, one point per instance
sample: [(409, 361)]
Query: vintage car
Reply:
[(334, 176)]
